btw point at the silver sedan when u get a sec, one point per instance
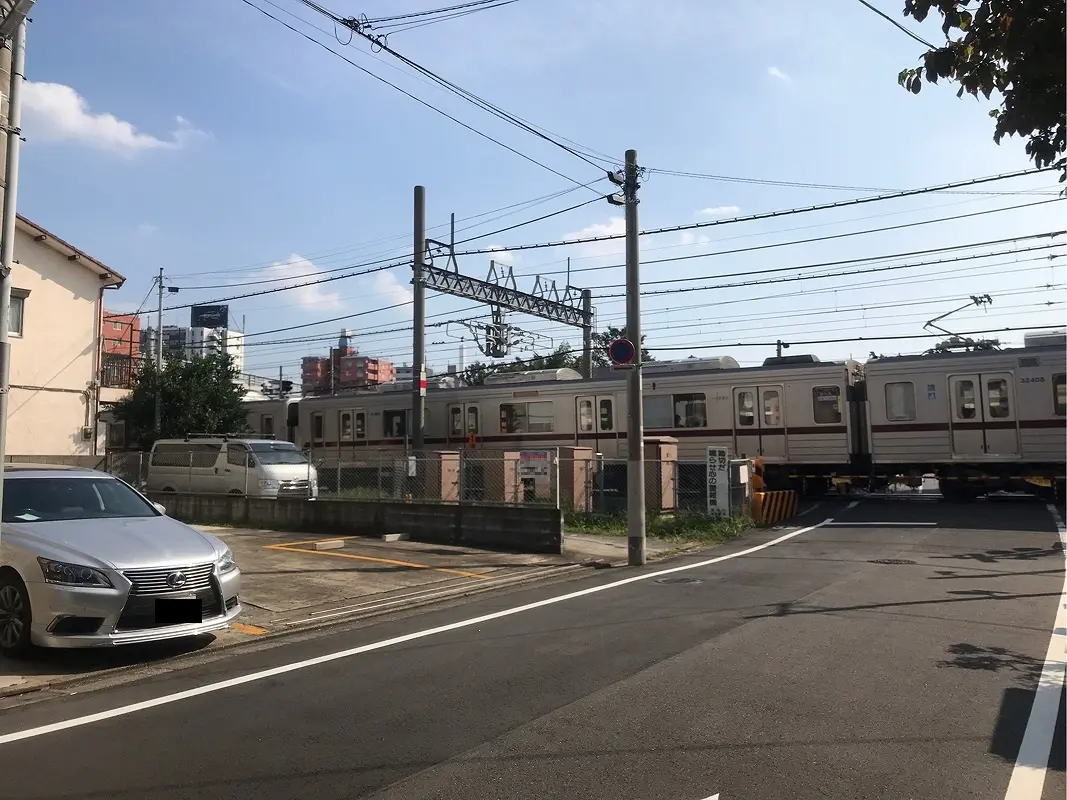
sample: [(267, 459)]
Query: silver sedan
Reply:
[(88, 561)]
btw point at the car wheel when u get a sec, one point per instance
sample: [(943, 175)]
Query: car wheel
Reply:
[(15, 616)]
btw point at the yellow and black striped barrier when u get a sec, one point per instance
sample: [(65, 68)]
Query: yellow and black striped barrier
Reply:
[(771, 507)]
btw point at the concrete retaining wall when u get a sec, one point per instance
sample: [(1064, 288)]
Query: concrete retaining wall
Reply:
[(528, 529)]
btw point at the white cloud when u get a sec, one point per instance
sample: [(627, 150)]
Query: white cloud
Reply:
[(391, 291), (690, 238), (616, 226), (502, 256), (147, 229), (718, 211), (774, 72), (297, 269), (55, 112)]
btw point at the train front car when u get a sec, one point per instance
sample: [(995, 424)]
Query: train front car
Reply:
[(981, 421)]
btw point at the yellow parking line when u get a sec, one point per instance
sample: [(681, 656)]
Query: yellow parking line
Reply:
[(253, 630), (337, 554), (283, 545)]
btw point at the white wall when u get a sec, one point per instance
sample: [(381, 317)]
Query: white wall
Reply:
[(53, 361)]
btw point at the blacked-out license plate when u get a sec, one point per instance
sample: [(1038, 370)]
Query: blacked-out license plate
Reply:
[(173, 611)]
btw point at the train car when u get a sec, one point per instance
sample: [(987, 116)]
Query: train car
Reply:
[(794, 412), (981, 421), (279, 418)]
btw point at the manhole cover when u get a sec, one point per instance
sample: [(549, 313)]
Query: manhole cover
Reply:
[(892, 561), (679, 580)]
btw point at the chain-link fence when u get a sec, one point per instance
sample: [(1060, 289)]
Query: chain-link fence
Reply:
[(593, 484)]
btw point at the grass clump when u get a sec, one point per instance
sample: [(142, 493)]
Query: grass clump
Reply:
[(676, 528)]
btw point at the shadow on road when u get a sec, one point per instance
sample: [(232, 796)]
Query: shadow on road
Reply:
[(54, 661), (1011, 725), (1014, 554)]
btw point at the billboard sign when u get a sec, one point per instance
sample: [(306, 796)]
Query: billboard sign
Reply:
[(210, 317)]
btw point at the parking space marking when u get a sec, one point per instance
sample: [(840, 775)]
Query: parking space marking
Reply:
[(395, 563), (251, 630), (283, 545)]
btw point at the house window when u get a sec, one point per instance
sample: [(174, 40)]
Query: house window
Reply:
[(116, 326), (826, 402), (900, 401), (18, 309)]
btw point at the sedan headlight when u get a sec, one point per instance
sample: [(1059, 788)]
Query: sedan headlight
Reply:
[(226, 563), (73, 574)]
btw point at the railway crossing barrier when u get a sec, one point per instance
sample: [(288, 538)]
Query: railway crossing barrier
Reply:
[(771, 507)]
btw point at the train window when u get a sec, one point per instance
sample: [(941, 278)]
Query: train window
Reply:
[(965, 407), (585, 416), (900, 401), (690, 410), (361, 425), (746, 409), (472, 419), (607, 417), (266, 425), (1059, 394), (772, 408), (657, 412), (455, 420), (826, 403), (526, 417), (317, 428), (395, 424), (345, 426), (997, 400)]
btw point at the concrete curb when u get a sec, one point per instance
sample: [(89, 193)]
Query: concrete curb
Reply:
[(562, 571)]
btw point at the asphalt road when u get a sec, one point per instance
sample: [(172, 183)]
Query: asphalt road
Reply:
[(854, 660)]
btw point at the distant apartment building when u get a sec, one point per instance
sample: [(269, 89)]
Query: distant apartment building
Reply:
[(344, 368), (182, 342)]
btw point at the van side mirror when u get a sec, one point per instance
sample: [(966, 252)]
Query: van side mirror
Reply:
[(162, 509)]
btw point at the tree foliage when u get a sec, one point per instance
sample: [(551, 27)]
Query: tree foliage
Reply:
[(564, 356), (1013, 47), (202, 395)]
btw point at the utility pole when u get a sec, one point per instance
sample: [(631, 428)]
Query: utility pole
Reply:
[(9, 216), (587, 332), (418, 338), (159, 354), (635, 428)]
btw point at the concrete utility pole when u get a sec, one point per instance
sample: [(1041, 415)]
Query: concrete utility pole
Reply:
[(635, 432), (587, 333), (159, 354), (418, 338), (13, 131)]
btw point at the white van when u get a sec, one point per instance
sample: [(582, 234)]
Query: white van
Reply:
[(227, 465)]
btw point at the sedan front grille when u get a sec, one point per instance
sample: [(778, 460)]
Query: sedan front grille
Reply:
[(158, 580)]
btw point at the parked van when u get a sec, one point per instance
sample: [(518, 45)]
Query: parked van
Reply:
[(258, 467)]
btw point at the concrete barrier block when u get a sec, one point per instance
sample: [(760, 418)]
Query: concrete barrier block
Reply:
[(330, 544), (395, 537)]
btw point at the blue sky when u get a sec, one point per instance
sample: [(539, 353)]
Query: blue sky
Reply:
[(205, 138)]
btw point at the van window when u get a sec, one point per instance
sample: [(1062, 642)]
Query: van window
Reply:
[(1059, 395), (277, 453), (186, 454), (236, 455), (900, 401), (826, 404)]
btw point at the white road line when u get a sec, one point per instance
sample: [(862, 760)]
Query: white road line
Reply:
[(880, 524), (853, 504), (133, 708), (1028, 776)]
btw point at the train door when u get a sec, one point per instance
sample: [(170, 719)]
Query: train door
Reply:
[(594, 419), (352, 426), (462, 422), (759, 422), (983, 418)]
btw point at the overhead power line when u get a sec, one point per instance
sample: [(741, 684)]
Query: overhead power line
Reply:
[(897, 25), (417, 99), (765, 215)]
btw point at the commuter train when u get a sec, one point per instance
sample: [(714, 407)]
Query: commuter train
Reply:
[(978, 420)]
